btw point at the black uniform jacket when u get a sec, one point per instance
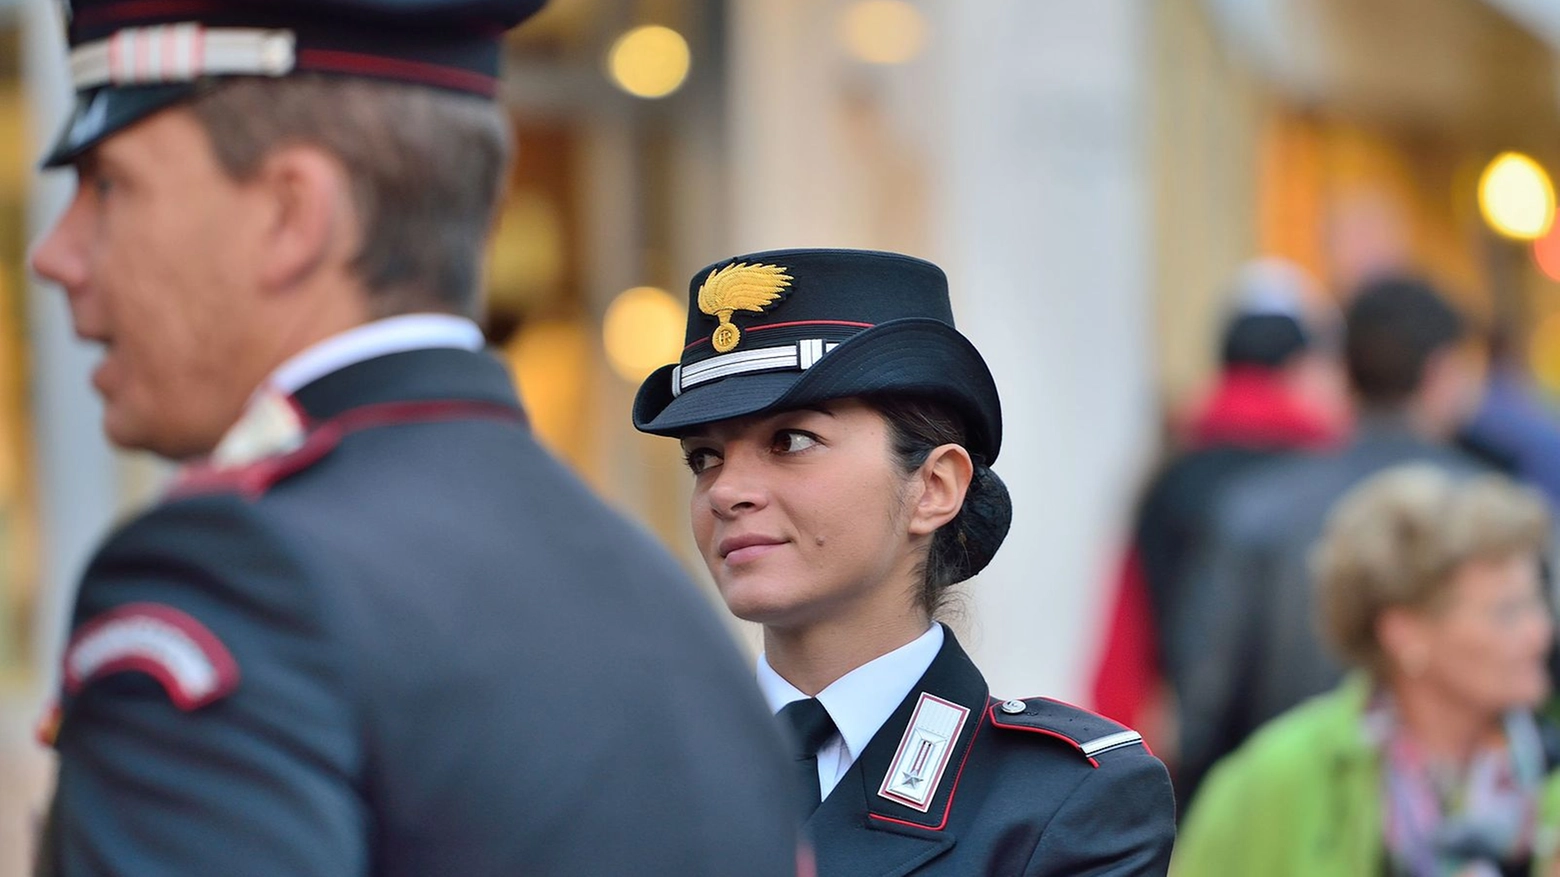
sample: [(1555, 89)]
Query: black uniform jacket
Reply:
[(1048, 789), (414, 646)]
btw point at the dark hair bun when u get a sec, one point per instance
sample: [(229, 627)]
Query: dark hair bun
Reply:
[(968, 543)]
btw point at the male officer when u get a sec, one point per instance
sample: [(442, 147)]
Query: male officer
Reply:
[(373, 629)]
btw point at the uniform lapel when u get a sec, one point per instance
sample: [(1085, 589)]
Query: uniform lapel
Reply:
[(860, 831)]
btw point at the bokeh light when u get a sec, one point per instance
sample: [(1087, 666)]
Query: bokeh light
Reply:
[(1546, 252), (650, 61), (1517, 197), (883, 31), (643, 331)]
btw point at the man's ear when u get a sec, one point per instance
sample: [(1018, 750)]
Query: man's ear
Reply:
[(945, 478), (308, 196)]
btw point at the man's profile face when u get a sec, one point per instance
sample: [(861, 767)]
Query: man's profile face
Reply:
[(158, 254)]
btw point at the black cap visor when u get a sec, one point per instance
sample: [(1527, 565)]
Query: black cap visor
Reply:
[(104, 111)]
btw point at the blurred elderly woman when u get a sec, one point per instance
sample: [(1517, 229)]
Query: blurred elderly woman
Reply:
[(1429, 759)]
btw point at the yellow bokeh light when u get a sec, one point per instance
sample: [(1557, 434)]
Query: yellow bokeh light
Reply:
[(1544, 352), (642, 331), (1517, 197), (650, 61), (883, 31)]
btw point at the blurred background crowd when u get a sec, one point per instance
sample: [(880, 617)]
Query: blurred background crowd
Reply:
[(1227, 260)]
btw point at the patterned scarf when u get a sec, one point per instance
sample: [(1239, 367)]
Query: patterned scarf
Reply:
[(1445, 820)]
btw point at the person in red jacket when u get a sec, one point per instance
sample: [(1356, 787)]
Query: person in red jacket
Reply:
[(1279, 391)]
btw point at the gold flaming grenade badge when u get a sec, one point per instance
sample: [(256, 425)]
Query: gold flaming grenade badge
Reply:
[(739, 287)]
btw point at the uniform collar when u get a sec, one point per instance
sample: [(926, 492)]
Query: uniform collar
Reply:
[(857, 830), (862, 700), (396, 334)]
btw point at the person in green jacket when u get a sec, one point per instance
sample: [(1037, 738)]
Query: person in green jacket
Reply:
[(1429, 759)]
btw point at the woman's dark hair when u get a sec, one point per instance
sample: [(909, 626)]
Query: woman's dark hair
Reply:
[(963, 546)]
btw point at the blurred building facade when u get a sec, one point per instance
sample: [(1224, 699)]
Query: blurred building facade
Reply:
[(1089, 174)]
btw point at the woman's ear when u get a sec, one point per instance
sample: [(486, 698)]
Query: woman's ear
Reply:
[(307, 192), (945, 478), (1404, 636)]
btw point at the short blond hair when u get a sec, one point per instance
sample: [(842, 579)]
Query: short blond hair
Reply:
[(1396, 539)]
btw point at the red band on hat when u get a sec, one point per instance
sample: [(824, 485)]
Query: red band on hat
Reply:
[(849, 323), (330, 61)]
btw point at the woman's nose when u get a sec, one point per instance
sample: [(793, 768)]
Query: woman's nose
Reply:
[(737, 486)]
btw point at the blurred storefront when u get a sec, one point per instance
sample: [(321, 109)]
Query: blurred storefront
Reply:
[(1349, 137)]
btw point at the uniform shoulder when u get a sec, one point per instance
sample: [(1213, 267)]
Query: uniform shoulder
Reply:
[(1091, 735)]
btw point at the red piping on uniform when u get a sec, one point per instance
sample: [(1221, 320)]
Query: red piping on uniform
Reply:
[(849, 323), (1096, 714), (992, 711), (254, 480), (142, 9), (947, 808), (221, 659), (334, 61)]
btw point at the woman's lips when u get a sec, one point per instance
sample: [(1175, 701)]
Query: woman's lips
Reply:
[(750, 553), (736, 550)]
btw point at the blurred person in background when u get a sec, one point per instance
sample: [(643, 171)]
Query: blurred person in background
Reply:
[(1280, 390), (1241, 648), (374, 628), (1428, 759), (1515, 429), (840, 433)]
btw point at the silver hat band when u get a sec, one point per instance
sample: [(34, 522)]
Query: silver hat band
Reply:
[(184, 52), (801, 355)]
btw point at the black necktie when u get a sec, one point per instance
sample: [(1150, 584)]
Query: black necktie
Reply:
[(810, 727)]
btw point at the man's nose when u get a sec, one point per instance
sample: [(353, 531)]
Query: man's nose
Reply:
[(59, 256)]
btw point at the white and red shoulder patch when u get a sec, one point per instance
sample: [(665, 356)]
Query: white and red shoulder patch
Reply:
[(188, 660)]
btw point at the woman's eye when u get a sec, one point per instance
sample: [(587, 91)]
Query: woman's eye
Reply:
[(791, 441), (701, 460)]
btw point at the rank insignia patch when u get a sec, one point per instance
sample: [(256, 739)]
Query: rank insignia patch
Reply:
[(739, 287), (190, 663), (923, 753)]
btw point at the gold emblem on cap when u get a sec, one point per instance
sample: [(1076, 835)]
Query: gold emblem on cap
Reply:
[(739, 287)]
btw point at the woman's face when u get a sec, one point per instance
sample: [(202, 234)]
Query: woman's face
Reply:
[(1486, 646), (803, 516)]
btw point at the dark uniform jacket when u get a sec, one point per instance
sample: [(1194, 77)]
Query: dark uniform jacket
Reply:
[(414, 646), (1032, 787)]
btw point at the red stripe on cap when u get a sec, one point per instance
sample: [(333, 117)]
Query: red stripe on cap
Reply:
[(850, 323), (136, 9), (331, 61)]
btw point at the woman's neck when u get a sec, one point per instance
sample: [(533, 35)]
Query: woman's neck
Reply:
[(811, 657), (1443, 727)]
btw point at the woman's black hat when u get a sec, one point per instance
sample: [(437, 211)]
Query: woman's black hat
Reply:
[(783, 329)]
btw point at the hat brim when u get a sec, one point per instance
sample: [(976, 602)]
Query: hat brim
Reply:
[(104, 111), (910, 357)]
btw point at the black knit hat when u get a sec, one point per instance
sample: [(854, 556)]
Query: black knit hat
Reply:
[(131, 58), (782, 329)]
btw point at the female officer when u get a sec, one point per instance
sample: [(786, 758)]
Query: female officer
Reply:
[(839, 431)]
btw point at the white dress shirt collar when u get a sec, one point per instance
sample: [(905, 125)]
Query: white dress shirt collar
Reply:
[(862, 700), (396, 334)]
